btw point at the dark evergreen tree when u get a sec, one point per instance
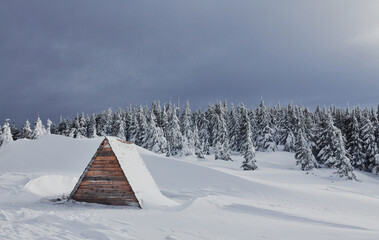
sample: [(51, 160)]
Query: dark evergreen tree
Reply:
[(355, 144), (304, 153), (265, 139), (247, 148), (15, 132), (370, 148), (91, 127)]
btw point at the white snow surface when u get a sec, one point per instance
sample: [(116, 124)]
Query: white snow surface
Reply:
[(217, 200), (138, 175)]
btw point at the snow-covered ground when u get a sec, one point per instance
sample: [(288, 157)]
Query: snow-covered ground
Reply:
[(216, 199)]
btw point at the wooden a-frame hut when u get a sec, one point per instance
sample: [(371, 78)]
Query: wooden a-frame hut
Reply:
[(117, 175), (104, 181)]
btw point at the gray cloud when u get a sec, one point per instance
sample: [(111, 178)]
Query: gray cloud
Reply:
[(63, 57)]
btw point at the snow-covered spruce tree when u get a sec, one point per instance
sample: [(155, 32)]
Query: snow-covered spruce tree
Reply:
[(75, 129), (133, 127), (61, 126), (118, 125), (332, 150), (265, 140), (156, 109), (204, 135), (289, 127), (15, 132), (38, 130), (186, 129), (156, 140), (164, 121), (82, 129), (198, 145), (26, 132), (341, 161), (128, 121), (104, 123), (141, 138), (247, 148), (91, 127), (48, 124), (355, 144), (370, 147), (233, 128), (304, 154), (174, 136), (6, 134), (220, 139)]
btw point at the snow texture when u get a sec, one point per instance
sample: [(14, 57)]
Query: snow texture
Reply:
[(217, 199)]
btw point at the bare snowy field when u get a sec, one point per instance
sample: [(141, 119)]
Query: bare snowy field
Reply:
[(216, 199)]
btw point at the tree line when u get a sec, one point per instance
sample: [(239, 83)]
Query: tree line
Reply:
[(344, 139)]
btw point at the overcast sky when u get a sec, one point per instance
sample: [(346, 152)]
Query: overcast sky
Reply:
[(63, 57)]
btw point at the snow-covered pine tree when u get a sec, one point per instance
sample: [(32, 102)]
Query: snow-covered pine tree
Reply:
[(48, 124), (156, 140), (288, 129), (340, 160), (209, 115), (128, 121), (141, 138), (38, 130), (186, 128), (164, 121), (82, 128), (355, 144), (6, 134), (233, 128), (247, 148), (133, 127), (265, 140), (370, 148), (174, 136), (15, 132), (253, 124), (332, 150), (304, 154), (91, 127), (204, 133), (198, 145), (104, 123), (26, 132), (156, 109), (220, 138), (75, 133), (118, 125)]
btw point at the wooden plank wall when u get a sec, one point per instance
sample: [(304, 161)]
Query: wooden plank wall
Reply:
[(105, 181)]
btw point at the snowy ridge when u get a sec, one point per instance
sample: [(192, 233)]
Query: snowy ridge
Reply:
[(139, 177)]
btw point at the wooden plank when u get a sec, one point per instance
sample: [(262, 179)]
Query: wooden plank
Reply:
[(104, 182), (105, 158), (105, 187), (91, 198), (105, 193), (104, 173), (106, 154), (107, 178), (102, 167)]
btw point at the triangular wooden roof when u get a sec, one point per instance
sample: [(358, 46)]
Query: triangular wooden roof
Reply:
[(104, 181)]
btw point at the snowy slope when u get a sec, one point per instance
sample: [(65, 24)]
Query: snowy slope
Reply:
[(217, 199)]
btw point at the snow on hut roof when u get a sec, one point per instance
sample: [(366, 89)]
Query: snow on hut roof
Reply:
[(138, 175)]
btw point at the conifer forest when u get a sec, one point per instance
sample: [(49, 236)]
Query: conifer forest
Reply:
[(340, 138)]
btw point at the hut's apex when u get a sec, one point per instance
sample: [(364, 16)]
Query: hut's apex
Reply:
[(117, 175)]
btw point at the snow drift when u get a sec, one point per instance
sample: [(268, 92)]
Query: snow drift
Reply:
[(217, 199)]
